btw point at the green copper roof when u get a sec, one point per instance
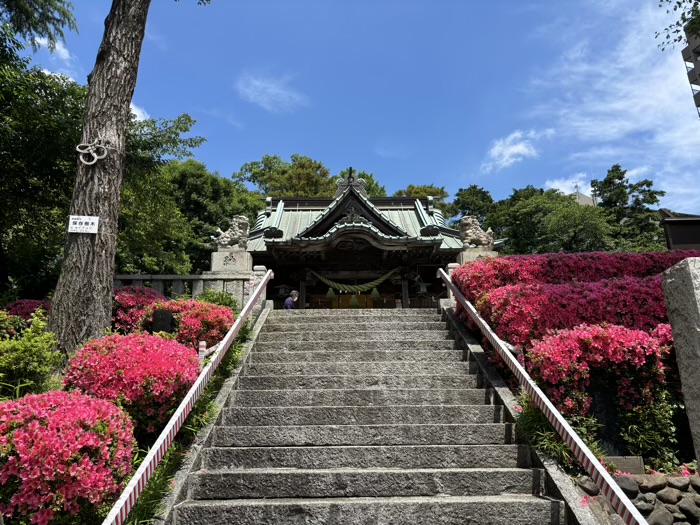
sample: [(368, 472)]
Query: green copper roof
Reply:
[(392, 219)]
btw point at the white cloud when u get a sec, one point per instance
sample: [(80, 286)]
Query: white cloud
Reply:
[(60, 51), (156, 39), (272, 94), (630, 104), (227, 117), (391, 149), (570, 185), (514, 148), (141, 114), (58, 74)]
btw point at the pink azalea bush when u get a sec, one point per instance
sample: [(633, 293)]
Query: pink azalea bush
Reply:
[(632, 365), (564, 361), (523, 312), (62, 454), (589, 322), (481, 276), (196, 321), (129, 306), (146, 375), (24, 308)]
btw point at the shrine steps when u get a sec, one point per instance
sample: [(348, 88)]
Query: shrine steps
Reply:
[(362, 417)]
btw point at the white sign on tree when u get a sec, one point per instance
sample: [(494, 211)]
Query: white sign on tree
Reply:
[(83, 224)]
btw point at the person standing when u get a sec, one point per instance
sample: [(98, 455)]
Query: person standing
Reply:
[(290, 302)]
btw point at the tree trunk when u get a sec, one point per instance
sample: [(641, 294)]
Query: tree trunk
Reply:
[(82, 305)]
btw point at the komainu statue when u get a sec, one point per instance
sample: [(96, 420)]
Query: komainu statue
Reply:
[(472, 235), (237, 234)]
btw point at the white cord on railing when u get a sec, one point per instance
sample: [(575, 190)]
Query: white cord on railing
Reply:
[(121, 509), (620, 502)]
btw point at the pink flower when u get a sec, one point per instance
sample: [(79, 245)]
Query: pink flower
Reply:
[(197, 321), (62, 452), (147, 375), (584, 501), (129, 306), (24, 308)]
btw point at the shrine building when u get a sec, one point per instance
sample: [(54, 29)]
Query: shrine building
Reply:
[(353, 251)]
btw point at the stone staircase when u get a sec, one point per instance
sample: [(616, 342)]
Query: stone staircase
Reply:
[(362, 417)]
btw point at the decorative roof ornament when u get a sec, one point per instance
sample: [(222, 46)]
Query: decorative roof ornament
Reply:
[(353, 216), (351, 181)]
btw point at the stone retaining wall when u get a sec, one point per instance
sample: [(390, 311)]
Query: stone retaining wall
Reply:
[(663, 500)]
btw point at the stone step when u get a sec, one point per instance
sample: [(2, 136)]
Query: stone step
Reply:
[(405, 457), (359, 483), (512, 509), (355, 368), (282, 356), (350, 313), (373, 382), (302, 398), (360, 326), (325, 435), (355, 335), (359, 415), (349, 346), (351, 318)]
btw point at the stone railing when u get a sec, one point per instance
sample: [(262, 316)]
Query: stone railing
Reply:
[(239, 285)]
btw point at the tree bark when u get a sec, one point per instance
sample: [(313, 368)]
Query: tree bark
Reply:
[(82, 305)]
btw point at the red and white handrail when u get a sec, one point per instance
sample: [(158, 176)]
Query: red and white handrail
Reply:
[(127, 500), (620, 502)]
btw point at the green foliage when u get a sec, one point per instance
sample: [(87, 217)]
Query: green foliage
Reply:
[(221, 298), (538, 221), (32, 19), (473, 200), (10, 325), (29, 358), (649, 431), (153, 233), (533, 424), (427, 190), (547, 221), (274, 177), (688, 16), (374, 189), (208, 201), (41, 113), (634, 226), (571, 227)]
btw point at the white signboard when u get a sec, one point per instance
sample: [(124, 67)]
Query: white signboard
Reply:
[(83, 224)]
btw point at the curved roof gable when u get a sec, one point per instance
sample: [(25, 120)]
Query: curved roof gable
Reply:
[(351, 205)]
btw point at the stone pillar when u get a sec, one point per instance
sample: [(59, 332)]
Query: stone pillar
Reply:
[(472, 253), (259, 272), (681, 285), (451, 268), (178, 288), (404, 293), (157, 285), (197, 287), (302, 295)]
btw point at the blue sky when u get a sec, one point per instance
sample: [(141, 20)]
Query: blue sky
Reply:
[(451, 92)]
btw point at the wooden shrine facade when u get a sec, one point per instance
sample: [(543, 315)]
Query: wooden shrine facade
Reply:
[(351, 241)]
